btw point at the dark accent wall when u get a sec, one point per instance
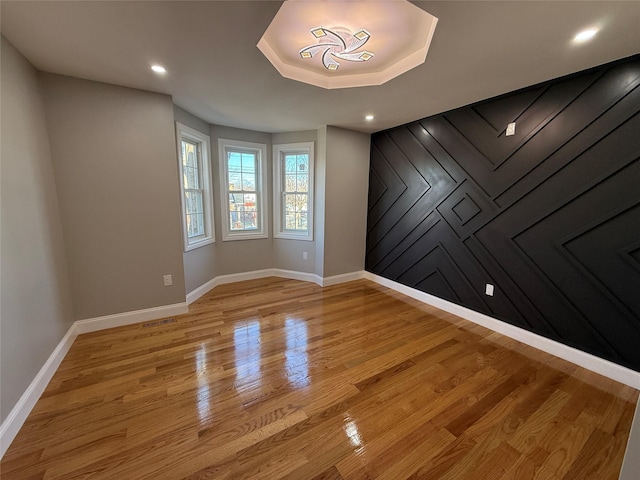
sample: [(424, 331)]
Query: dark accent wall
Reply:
[(550, 215)]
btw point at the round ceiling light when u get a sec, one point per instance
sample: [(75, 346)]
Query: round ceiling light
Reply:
[(323, 43)]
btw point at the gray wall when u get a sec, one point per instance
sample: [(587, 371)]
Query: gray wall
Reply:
[(347, 184), (114, 157), (321, 186), (35, 295)]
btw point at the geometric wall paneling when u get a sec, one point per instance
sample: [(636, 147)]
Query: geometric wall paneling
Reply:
[(391, 187), (601, 127), (405, 162), (377, 188), (582, 292), (508, 302), (558, 113), (600, 253), (550, 215), (466, 209), (429, 262)]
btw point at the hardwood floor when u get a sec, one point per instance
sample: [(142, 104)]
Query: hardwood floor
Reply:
[(277, 378)]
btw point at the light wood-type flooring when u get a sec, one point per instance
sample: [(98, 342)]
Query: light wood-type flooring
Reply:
[(277, 378)]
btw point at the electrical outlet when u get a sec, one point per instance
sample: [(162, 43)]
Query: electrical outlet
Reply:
[(305, 255), (511, 129), (489, 290), (168, 280)]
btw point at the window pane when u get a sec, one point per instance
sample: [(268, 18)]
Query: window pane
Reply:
[(301, 203), (241, 170), (194, 213), (290, 202), (243, 211), (290, 183), (302, 225), (290, 164), (303, 163), (295, 211), (303, 183), (190, 178), (189, 154), (249, 182), (234, 169), (191, 175), (195, 225), (248, 162)]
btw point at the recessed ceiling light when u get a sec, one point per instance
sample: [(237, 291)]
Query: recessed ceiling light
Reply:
[(368, 118), (585, 35), (158, 69)]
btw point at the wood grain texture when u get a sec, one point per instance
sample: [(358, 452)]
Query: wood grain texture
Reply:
[(274, 378)]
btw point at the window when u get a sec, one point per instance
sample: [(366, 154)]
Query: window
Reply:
[(243, 176), (293, 190), (195, 186)]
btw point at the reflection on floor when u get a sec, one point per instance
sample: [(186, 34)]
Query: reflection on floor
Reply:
[(277, 378)]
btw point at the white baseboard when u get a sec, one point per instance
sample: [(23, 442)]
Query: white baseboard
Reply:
[(586, 360), (293, 275), (195, 294), (16, 418), (14, 421), (342, 278), (128, 318), (271, 272)]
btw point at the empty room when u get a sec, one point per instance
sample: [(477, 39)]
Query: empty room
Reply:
[(308, 239)]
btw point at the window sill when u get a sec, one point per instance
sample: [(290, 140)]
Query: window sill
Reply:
[(200, 243)]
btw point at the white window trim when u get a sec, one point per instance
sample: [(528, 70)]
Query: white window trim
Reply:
[(278, 193), (183, 131), (263, 211)]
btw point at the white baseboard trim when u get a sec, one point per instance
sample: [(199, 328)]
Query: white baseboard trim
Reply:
[(271, 272), (342, 278), (586, 360), (294, 275), (195, 294), (16, 418), (128, 318)]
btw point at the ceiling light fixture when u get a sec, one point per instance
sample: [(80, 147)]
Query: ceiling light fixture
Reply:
[(368, 118), (339, 43), (322, 43), (585, 35), (158, 69)]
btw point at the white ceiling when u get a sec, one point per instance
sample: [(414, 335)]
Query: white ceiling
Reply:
[(480, 49)]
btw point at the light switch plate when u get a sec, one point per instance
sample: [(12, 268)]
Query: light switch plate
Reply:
[(511, 129)]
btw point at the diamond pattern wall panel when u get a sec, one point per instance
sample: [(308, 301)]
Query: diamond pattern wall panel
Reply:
[(550, 215)]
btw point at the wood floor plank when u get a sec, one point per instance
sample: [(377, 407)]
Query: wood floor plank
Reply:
[(277, 378)]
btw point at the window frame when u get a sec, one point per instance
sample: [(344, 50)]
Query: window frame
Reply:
[(204, 169), (279, 151), (260, 150)]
